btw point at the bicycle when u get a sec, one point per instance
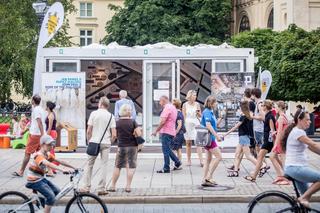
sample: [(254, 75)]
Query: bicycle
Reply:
[(277, 202), (80, 202)]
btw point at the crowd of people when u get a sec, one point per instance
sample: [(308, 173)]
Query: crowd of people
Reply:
[(263, 128)]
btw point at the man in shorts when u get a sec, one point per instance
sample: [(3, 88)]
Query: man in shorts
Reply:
[(37, 129)]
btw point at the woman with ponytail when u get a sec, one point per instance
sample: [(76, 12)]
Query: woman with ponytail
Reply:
[(296, 164), (244, 126)]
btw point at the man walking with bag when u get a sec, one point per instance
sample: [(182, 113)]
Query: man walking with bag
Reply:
[(100, 132), (167, 131)]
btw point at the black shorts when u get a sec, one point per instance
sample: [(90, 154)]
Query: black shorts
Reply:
[(267, 146)]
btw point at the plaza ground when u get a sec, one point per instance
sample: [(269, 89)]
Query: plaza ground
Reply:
[(149, 187)]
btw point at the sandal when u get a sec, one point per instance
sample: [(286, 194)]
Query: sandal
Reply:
[(280, 180), (111, 190), (230, 167), (233, 173), (304, 203), (263, 170), (16, 174), (209, 183), (283, 182), (127, 190), (249, 178)]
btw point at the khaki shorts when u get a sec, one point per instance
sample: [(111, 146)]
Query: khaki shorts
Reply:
[(126, 156)]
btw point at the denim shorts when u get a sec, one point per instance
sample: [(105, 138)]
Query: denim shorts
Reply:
[(46, 188), (258, 136), (303, 175), (244, 140)]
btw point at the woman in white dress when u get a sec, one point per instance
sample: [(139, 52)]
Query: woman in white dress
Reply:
[(192, 112)]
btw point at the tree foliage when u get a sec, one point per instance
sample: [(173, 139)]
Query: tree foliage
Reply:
[(293, 58), (141, 22), (18, 42)]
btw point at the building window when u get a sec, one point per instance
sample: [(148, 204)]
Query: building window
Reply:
[(85, 37), (270, 20), (244, 24), (85, 9)]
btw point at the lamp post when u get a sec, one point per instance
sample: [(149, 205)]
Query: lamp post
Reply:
[(40, 7)]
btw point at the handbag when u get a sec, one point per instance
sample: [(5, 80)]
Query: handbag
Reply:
[(203, 137), (140, 140), (93, 148)]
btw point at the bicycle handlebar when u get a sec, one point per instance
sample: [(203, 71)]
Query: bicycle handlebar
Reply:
[(75, 172)]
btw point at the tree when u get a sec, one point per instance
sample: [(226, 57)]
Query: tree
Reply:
[(262, 40), (18, 42), (293, 58), (186, 22), (295, 66)]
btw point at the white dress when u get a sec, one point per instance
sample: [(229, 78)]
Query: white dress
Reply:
[(191, 121)]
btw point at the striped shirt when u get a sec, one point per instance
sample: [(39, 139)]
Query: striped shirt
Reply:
[(37, 169)]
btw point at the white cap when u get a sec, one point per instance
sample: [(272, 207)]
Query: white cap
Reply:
[(46, 139)]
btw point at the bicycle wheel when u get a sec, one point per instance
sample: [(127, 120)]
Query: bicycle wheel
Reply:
[(12, 201), (86, 202), (272, 201)]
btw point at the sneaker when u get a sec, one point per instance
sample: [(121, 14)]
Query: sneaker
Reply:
[(162, 171), (179, 167)]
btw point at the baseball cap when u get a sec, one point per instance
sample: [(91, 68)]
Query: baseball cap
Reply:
[(46, 139)]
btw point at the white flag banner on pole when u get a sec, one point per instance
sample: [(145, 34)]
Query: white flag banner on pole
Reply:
[(52, 22), (259, 77), (265, 83)]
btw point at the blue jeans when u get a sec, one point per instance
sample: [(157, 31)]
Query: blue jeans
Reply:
[(46, 188), (302, 175), (166, 141)]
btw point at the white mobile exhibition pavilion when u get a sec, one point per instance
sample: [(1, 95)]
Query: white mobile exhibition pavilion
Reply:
[(76, 77)]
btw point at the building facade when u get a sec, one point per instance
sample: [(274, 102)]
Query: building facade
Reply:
[(275, 14), (87, 24)]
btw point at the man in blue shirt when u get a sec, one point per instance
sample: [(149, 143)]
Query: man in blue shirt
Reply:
[(123, 100)]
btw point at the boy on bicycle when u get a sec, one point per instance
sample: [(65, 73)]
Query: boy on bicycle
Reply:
[(38, 167)]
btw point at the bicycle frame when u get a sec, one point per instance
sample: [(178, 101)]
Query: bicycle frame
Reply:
[(72, 185)]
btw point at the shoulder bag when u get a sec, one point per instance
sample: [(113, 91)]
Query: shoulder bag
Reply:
[(203, 137), (93, 148), (140, 140)]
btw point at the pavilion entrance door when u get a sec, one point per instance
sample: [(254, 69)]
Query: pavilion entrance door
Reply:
[(159, 78)]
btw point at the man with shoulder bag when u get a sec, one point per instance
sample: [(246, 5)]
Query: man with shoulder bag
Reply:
[(101, 132)]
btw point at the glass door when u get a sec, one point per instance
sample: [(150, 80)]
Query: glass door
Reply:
[(159, 78)]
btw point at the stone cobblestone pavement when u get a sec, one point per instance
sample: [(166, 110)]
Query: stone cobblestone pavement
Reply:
[(181, 186)]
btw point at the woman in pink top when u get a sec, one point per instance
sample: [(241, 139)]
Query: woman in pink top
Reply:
[(277, 155)]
